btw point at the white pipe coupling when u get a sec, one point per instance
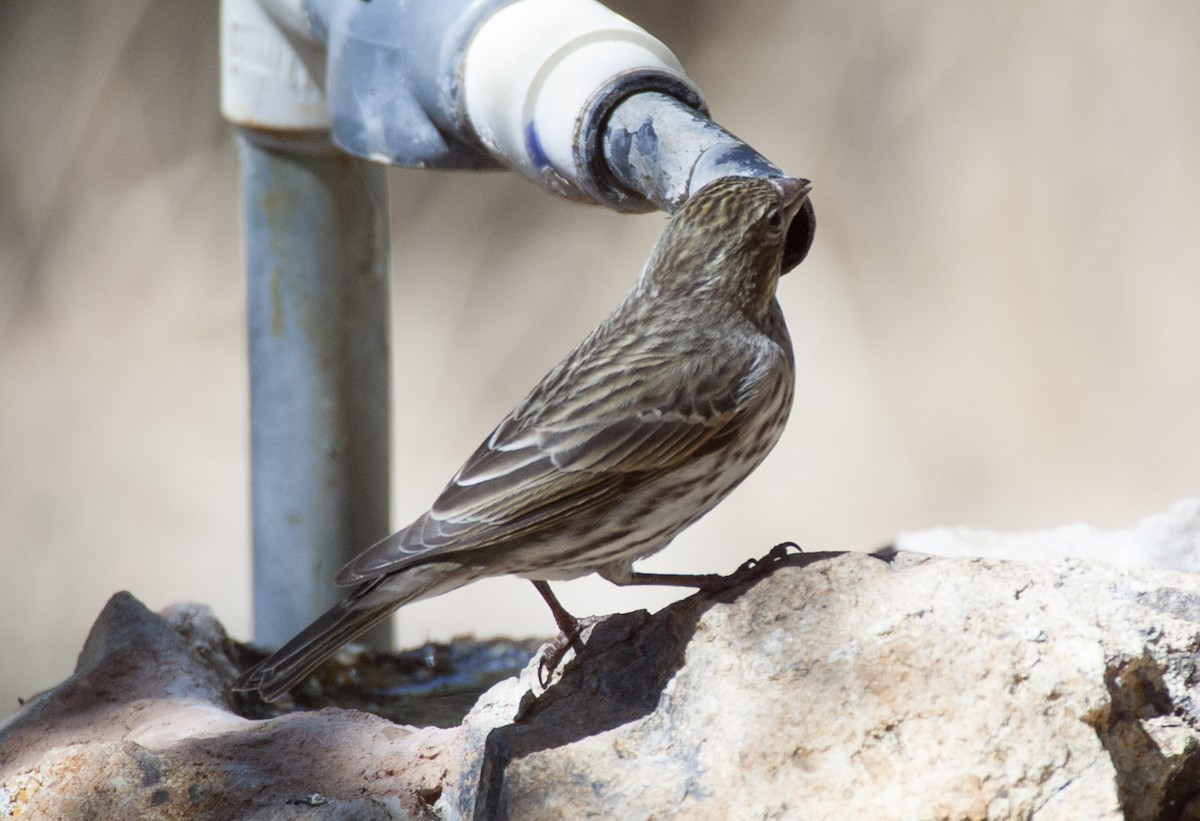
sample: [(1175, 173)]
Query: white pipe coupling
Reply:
[(536, 74), (272, 72)]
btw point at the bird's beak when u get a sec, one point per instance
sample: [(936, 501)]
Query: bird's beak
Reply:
[(804, 220), (794, 190)]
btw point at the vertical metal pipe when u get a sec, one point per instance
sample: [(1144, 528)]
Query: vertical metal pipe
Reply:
[(317, 265)]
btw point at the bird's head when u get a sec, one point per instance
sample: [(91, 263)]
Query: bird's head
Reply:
[(728, 240)]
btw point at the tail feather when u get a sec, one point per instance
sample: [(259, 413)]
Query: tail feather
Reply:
[(370, 603), (341, 623)]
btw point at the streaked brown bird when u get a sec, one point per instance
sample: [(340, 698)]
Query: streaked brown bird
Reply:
[(650, 422)]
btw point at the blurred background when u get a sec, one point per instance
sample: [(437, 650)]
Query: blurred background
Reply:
[(998, 326)]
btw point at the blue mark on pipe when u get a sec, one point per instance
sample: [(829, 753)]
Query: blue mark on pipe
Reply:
[(533, 146)]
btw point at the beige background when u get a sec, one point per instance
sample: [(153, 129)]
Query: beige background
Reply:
[(999, 324)]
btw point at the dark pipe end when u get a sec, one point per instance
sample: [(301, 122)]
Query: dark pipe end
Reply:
[(800, 236)]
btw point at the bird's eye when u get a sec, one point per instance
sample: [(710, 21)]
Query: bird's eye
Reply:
[(775, 221)]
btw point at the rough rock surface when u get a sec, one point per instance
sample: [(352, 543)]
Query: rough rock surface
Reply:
[(143, 729), (1170, 539), (837, 686), (855, 688)]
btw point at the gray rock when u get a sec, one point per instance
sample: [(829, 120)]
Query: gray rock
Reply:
[(837, 686), (143, 729), (1170, 539), (857, 688)]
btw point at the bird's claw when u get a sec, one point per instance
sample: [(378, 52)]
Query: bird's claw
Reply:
[(556, 650), (780, 551), (754, 567), (552, 656)]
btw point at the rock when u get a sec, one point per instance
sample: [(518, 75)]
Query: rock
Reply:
[(1170, 540), (143, 729), (855, 688), (836, 686)]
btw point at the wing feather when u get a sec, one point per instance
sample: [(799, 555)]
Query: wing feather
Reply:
[(538, 470)]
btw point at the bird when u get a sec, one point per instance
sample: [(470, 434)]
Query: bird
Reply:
[(639, 431)]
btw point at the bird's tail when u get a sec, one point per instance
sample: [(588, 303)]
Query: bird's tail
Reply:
[(341, 623)]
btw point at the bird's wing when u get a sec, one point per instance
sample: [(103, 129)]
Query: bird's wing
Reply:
[(537, 471)]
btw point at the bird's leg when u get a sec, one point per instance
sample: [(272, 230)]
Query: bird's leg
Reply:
[(568, 625), (569, 629), (706, 581), (623, 574)]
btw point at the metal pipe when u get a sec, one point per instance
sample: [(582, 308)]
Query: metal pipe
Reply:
[(664, 150), (317, 266)]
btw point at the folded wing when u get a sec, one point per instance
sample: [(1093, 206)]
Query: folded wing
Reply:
[(538, 471)]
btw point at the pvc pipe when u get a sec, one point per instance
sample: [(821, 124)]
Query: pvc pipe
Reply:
[(540, 76), (394, 78), (532, 84), (272, 74)]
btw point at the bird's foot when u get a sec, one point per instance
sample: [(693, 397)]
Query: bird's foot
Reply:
[(556, 650), (753, 568), (623, 575)]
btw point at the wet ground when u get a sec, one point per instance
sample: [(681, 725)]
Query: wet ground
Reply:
[(434, 685)]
